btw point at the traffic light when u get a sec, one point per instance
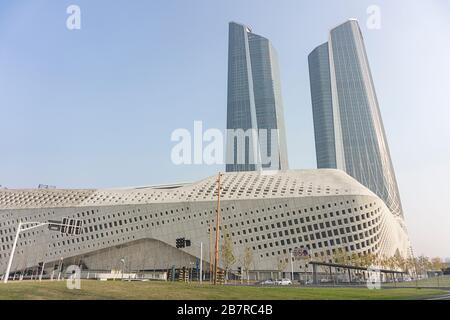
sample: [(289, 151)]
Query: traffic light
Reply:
[(64, 225), (70, 226), (180, 243), (78, 227), (54, 225)]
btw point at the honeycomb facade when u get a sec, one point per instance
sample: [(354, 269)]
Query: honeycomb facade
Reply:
[(270, 213)]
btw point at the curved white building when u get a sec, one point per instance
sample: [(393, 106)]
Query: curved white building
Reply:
[(270, 213)]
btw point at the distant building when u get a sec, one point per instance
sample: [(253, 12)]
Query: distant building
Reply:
[(254, 102), (45, 186)]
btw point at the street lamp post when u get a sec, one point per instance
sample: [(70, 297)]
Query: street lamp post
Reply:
[(201, 262), (123, 266), (216, 248), (292, 266), (8, 269), (183, 245), (26, 226), (60, 268), (42, 271), (210, 251)]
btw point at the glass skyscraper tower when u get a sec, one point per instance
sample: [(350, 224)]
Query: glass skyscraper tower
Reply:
[(349, 132), (255, 123)]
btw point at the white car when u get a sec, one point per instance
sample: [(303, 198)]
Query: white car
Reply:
[(407, 279), (284, 282), (268, 282)]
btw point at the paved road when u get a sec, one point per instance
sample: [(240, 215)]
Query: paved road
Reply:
[(441, 297)]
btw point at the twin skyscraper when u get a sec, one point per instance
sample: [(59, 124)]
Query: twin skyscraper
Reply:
[(349, 133), (255, 120)]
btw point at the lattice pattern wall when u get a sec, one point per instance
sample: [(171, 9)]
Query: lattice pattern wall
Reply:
[(325, 210)]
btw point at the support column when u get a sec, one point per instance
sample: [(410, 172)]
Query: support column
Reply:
[(314, 274)]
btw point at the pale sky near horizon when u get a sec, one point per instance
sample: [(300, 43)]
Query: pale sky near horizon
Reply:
[(96, 107)]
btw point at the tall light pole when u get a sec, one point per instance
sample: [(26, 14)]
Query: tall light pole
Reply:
[(42, 271), (123, 266), (201, 262), (292, 267), (11, 256), (210, 251), (191, 267), (26, 226), (60, 268), (216, 249)]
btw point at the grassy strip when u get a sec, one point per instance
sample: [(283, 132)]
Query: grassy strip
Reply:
[(97, 290)]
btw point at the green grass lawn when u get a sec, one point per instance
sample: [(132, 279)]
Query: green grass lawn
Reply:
[(92, 290), (442, 281)]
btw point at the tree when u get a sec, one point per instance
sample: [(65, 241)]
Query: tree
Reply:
[(367, 260), (392, 263), (247, 260), (339, 256), (423, 264), (282, 263), (354, 259), (228, 257), (385, 262), (401, 263), (437, 264), (410, 264)]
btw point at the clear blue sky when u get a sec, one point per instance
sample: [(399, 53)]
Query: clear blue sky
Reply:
[(96, 107)]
